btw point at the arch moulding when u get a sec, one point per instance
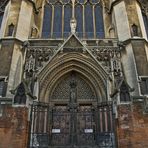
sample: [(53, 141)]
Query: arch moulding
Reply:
[(63, 64)]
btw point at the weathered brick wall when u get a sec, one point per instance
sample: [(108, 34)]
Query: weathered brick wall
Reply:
[(132, 127), (13, 127)]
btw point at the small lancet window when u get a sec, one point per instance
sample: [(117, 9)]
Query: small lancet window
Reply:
[(11, 29), (134, 30), (144, 86), (124, 92), (2, 87)]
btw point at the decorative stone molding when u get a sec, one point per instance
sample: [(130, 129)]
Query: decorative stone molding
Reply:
[(36, 57), (108, 57)]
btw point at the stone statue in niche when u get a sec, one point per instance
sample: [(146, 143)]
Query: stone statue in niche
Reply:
[(20, 96), (34, 32), (73, 25), (11, 29), (21, 92), (73, 91), (134, 29)]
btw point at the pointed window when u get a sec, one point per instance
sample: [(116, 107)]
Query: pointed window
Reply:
[(89, 30), (79, 18), (67, 17), (99, 21), (1, 18), (145, 19), (2, 87), (10, 30), (88, 15), (124, 93), (57, 25), (144, 86), (46, 30)]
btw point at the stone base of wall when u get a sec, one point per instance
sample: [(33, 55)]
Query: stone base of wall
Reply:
[(13, 127), (132, 130)]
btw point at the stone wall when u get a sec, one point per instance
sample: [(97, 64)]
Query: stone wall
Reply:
[(132, 127), (13, 127)]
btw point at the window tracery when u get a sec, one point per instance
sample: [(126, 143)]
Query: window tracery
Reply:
[(88, 14), (63, 89)]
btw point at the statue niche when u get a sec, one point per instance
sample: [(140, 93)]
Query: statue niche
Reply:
[(20, 96)]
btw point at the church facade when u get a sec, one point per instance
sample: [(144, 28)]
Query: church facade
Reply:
[(73, 73)]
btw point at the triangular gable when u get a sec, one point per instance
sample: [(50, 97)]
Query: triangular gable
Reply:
[(74, 44)]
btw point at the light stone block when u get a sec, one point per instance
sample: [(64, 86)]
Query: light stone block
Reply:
[(121, 18), (24, 21)]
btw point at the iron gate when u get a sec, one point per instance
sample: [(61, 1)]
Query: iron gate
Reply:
[(64, 126)]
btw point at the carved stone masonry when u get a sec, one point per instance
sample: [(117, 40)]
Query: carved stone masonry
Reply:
[(106, 55), (36, 58)]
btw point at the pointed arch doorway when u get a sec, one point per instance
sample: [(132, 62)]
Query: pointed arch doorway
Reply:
[(74, 117)]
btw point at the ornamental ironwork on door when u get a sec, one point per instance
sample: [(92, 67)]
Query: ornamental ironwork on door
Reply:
[(72, 126)]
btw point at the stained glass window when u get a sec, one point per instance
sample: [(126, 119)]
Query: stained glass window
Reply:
[(99, 22), (79, 18), (88, 14), (57, 25), (89, 30), (46, 31), (67, 17), (145, 23)]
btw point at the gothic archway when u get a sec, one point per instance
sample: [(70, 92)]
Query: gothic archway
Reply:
[(73, 86), (86, 67)]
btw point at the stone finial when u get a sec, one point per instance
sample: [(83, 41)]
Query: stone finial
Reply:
[(73, 25)]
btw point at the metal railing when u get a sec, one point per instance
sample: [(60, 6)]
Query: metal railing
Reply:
[(72, 128)]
